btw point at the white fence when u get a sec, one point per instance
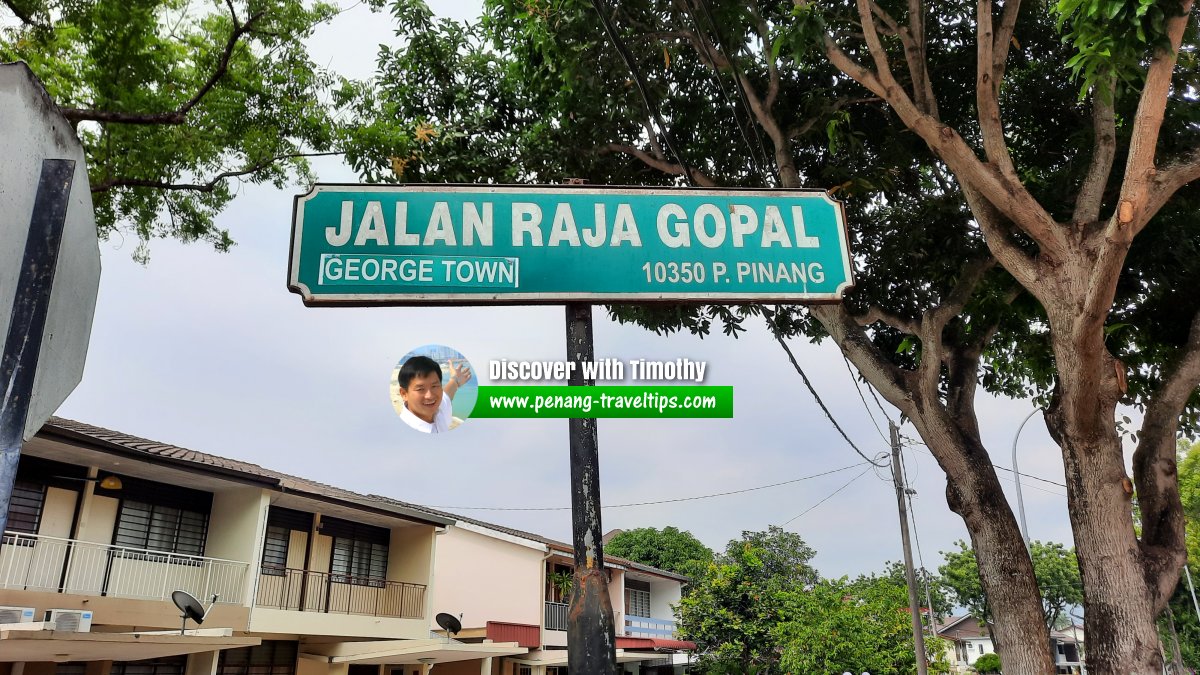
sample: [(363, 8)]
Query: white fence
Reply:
[(38, 563)]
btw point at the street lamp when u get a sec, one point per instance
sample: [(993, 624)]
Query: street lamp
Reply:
[(1017, 479)]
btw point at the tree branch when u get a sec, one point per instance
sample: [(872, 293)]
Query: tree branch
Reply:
[(111, 183), (1154, 470), (876, 313), (25, 17), (179, 115), (987, 95), (891, 382), (700, 178), (1010, 198), (934, 320), (1170, 179), (1004, 37), (1104, 129), (1132, 212)]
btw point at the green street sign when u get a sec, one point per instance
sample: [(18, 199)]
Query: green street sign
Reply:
[(480, 244)]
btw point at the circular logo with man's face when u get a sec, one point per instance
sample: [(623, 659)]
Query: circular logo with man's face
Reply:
[(434, 388)]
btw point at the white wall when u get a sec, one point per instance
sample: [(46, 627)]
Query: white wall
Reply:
[(664, 595), (486, 579)]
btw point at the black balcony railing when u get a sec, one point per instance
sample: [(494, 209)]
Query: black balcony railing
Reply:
[(308, 591)]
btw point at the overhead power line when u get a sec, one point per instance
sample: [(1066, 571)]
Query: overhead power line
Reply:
[(811, 390), (640, 84), (827, 497), (650, 503)]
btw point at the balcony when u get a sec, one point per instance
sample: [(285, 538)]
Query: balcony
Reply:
[(308, 591), (556, 615), (644, 626), (33, 562)]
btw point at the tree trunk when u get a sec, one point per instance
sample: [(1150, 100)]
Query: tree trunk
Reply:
[(973, 491), (1120, 614)]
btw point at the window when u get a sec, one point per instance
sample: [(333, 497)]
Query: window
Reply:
[(25, 507), (275, 550), (280, 525), (160, 517), (161, 528), (272, 657), (34, 476), (360, 552), (637, 598), (524, 670)]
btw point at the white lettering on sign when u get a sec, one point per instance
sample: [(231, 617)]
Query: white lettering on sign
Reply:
[(676, 227)]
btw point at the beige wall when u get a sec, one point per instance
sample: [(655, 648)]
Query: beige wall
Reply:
[(123, 612), (410, 559), (58, 512), (616, 594), (98, 519), (487, 579), (267, 620), (236, 528)]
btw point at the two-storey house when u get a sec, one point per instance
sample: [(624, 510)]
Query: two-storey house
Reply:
[(303, 578), (513, 586)]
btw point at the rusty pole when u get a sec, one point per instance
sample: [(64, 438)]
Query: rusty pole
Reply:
[(591, 635)]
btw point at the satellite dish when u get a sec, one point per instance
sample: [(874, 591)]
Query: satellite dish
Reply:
[(449, 622), (190, 608)]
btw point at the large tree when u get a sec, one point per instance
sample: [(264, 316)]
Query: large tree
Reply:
[(734, 610), (670, 549), (1054, 565), (1017, 224), (176, 101), (839, 626)]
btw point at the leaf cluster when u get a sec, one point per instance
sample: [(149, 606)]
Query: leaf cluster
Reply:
[(155, 57)]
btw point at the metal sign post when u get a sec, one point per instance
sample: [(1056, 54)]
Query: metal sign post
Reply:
[(31, 305), (591, 634)]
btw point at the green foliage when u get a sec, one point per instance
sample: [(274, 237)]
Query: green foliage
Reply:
[(733, 610), (988, 663), (563, 582), (1181, 608), (669, 549), (155, 57), (535, 92), (1054, 566), (1113, 38), (839, 626)]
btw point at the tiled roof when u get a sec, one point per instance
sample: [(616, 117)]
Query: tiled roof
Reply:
[(553, 544), (116, 439), (119, 440)]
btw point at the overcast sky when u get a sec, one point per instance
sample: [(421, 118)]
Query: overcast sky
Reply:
[(211, 352)]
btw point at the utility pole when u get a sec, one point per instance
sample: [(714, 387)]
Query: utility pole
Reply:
[(909, 574)]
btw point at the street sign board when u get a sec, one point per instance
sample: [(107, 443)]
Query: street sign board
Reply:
[(34, 131), (480, 244)]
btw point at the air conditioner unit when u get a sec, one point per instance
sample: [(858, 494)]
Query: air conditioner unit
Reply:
[(70, 620), (16, 614)]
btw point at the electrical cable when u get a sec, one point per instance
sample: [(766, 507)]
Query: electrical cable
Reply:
[(915, 443), (651, 110), (821, 403), (863, 399), (754, 166), (660, 501), (741, 87), (827, 498)]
